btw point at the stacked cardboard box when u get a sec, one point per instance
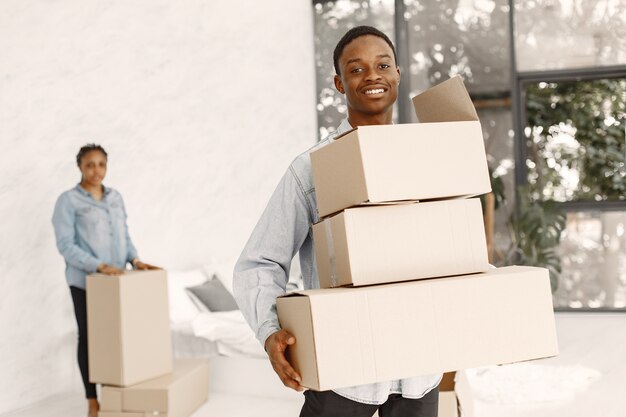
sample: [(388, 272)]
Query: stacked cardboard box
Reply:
[(395, 209), (130, 349)]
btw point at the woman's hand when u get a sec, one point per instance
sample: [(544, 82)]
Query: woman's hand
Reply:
[(141, 266), (109, 270)]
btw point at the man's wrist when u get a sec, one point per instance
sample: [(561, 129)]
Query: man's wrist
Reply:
[(134, 262), (271, 332)]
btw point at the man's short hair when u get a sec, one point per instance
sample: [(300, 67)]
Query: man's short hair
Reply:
[(357, 32)]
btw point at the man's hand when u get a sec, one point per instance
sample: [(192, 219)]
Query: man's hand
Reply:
[(275, 346), (109, 270)]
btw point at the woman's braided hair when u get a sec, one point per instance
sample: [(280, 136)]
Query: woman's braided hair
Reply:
[(88, 148)]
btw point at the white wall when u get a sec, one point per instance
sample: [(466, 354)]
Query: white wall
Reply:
[(201, 105)]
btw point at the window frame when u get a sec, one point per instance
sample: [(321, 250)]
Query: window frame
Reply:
[(520, 80)]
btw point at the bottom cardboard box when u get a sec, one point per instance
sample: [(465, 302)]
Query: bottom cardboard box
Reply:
[(177, 394), (353, 336)]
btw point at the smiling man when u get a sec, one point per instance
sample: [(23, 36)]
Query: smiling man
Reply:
[(368, 75)]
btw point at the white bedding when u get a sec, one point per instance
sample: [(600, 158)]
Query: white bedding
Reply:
[(202, 333), (186, 345), (528, 382), (211, 334)]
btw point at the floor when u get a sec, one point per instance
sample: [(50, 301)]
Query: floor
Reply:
[(596, 341), (71, 405)]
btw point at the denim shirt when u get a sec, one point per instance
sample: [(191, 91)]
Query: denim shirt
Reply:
[(262, 271), (90, 232)]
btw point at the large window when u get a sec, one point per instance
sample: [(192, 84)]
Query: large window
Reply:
[(552, 112), (469, 38), (575, 154), (565, 34), (569, 83), (575, 139), (332, 20), (593, 260)]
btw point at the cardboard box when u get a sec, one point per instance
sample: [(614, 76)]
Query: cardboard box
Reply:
[(353, 336), (400, 242), (177, 394), (448, 101), (448, 406), (129, 332), (442, 157), (464, 394)]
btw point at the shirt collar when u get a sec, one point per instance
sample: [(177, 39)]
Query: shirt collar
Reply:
[(344, 126), (86, 193)]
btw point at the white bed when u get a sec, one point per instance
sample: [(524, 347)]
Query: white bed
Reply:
[(210, 334), (186, 345), (198, 332), (239, 366)]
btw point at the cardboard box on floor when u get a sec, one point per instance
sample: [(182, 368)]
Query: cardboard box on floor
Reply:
[(353, 336), (177, 394), (441, 157), (129, 333), (421, 240)]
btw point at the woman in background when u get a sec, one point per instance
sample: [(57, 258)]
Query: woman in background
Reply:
[(91, 233)]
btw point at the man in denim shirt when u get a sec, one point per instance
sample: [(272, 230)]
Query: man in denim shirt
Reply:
[(367, 74)]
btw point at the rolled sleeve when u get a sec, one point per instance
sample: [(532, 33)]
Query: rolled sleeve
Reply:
[(262, 271)]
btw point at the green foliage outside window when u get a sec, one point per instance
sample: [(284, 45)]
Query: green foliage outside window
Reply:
[(535, 235), (576, 140)]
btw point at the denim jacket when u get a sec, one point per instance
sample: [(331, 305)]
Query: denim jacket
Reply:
[(262, 271), (90, 232)]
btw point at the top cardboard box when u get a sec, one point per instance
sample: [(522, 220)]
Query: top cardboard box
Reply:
[(129, 337), (443, 156)]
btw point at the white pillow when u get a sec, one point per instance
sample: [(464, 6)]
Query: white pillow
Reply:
[(182, 308)]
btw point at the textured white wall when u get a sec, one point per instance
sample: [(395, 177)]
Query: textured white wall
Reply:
[(201, 105)]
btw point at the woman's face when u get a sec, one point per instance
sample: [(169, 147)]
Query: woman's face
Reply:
[(93, 166)]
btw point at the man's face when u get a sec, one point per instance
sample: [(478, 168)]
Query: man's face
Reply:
[(369, 77)]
